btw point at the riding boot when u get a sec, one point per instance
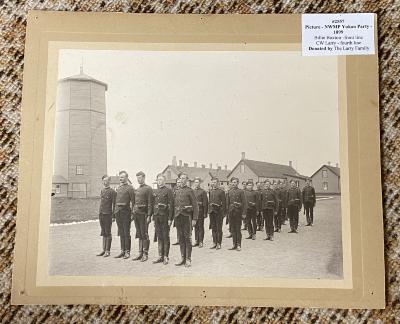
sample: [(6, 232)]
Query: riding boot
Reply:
[(122, 242), (104, 247), (139, 256)]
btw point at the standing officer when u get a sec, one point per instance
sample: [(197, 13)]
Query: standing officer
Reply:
[(293, 198), (142, 212), (252, 210), (309, 200), (277, 217), (202, 203), (284, 189), (228, 222), (186, 215), (260, 222), (217, 212), (244, 188), (269, 205), (237, 207), (124, 199), (177, 187), (106, 217), (163, 215)]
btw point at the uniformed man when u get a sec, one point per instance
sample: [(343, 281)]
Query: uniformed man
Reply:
[(142, 211), (177, 187), (269, 205), (186, 215), (227, 222), (280, 197), (106, 214), (294, 202), (252, 210), (309, 199), (277, 220), (217, 210), (124, 202), (163, 215), (202, 203), (237, 207), (260, 222), (244, 188), (284, 189)]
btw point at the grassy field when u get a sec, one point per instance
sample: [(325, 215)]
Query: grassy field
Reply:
[(315, 252)]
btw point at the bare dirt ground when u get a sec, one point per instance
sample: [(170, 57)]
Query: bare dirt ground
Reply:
[(315, 252)]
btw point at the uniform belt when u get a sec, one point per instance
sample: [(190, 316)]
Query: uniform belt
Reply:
[(140, 206), (121, 204), (214, 204)]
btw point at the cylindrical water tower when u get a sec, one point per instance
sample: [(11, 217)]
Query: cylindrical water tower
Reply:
[(80, 135)]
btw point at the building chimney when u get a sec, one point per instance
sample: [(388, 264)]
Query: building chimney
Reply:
[(203, 166), (291, 164), (174, 161), (210, 165), (195, 164), (337, 165), (329, 163), (185, 165), (180, 163), (243, 155), (225, 167)]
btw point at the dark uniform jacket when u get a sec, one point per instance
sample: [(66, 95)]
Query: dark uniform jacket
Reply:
[(202, 201), (125, 196), (259, 194), (217, 201), (308, 194), (143, 200), (185, 203), (107, 201), (252, 199), (236, 200), (163, 202), (269, 199), (293, 197), (284, 190)]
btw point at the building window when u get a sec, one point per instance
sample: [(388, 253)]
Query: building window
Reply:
[(325, 185), (79, 169), (324, 174), (242, 168), (58, 189)]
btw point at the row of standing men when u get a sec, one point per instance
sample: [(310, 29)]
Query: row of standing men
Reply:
[(187, 208)]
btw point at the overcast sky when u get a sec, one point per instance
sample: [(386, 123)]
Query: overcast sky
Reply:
[(210, 106)]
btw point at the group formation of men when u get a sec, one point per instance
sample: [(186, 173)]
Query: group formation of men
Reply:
[(268, 206)]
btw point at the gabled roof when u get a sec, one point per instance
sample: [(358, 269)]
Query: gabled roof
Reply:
[(83, 77), (59, 179), (202, 173), (267, 169), (334, 170), (222, 175)]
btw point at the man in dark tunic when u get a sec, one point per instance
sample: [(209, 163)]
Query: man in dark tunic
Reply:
[(217, 208), (309, 200), (237, 207), (163, 216), (277, 220), (186, 215), (202, 203), (293, 198), (124, 201), (284, 189), (177, 187), (244, 221), (269, 204), (252, 210), (227, 222), (142, 212), (106, 217), (260, 222)]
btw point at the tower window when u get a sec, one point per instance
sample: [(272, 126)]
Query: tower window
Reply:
[(325, 185), (324, 174), (242, 168), (79, 169)]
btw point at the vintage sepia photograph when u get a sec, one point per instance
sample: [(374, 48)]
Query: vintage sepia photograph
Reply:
[(196, 163)]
